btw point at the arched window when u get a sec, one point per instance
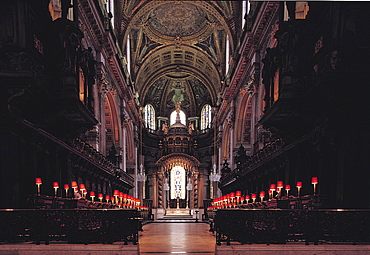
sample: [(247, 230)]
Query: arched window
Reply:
[(149, 116), (206, 117), (174, 115)]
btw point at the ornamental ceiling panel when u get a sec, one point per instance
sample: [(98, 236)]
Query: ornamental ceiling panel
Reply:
[(177, 46)]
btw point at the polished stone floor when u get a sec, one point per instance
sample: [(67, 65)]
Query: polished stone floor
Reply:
[(176, 238)]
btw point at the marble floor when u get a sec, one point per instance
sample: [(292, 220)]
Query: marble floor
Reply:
[(176, 238)]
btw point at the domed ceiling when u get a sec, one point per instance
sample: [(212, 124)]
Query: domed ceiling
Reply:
[(177, 50)]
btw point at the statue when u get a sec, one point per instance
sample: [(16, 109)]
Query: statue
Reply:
[(165, 128), (177, 96), (190, 128)]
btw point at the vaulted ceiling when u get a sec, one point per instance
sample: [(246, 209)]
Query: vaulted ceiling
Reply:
[(178, 46)]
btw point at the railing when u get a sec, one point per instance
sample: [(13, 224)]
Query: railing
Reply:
[(282, 226), (100, 160), (75, 226), (266, 152)]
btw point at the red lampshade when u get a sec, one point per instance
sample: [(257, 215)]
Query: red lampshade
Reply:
[(299, 185), (121, 195), (262, 194), (66, 186), (232, 195), (82, 186), (287, 187), (84, 191), (74, 185), (315, 180), (107, 197), (55, 185), (254, 196), (38, 181), (100, 196), (92, 194), (116, 192), (247, 197), (242, 199), (270, 191), (238, 193), (280, 184), (124, 196), (273, 187)]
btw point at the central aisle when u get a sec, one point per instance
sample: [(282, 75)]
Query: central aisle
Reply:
[(176, 238)]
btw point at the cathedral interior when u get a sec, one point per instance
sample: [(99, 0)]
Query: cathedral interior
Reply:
[(177, 103)]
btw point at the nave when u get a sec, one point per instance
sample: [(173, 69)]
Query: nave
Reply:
[(176, 238)]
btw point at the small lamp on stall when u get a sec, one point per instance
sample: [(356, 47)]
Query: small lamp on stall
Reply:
[(247, 197), (315, 181), (74, 186), (82, 188), (272, 189), (232, 197), (270, 194), (92, 195), (66, 188), (38, 183), (100, 196), (121, 197), (254, 197), (280, 186), (299, 186), (287, 188), (56, 187), (116, 195), (238, 194), (107, 197), (262, 195), (242, 200)]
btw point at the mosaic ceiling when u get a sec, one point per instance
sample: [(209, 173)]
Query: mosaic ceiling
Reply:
[(177, 48)]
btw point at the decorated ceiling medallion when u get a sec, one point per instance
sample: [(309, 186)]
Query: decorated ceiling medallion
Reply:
[(173, 19), (181, 21)]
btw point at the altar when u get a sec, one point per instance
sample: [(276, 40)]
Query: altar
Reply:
[(178, 212)]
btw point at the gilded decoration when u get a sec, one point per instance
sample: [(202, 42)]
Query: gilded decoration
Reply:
[(174, 19), (167, 90), (178, 22)]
